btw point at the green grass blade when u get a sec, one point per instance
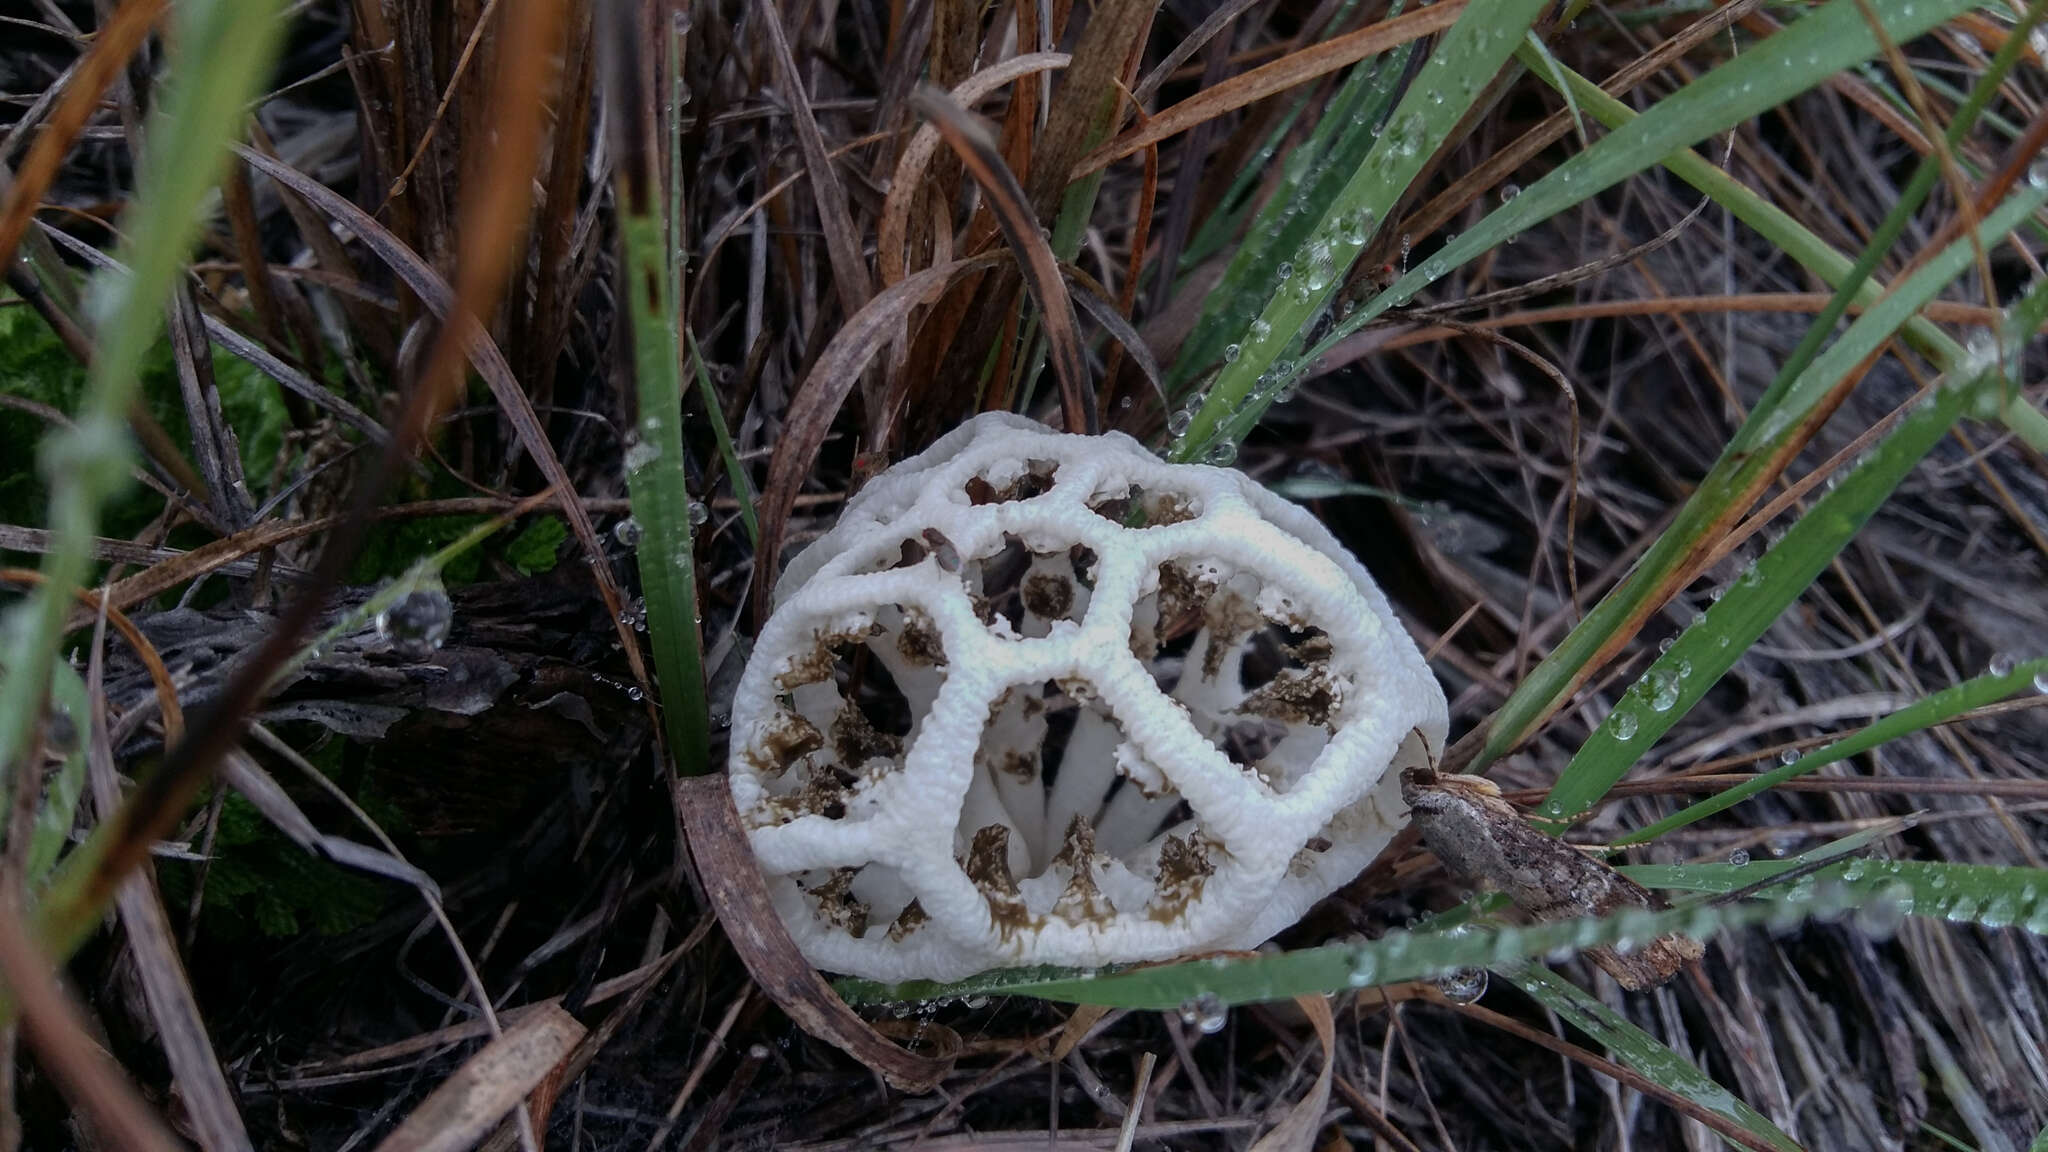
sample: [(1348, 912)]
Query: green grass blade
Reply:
[(1399, 955), (1883, 891), (735, 471), (1936, 708), (1641, 1051), (65, 787), (220, 56), (1682, 675), (1805, 53), (659, 491), (1470, 55), (1312, 176), (657, 483)]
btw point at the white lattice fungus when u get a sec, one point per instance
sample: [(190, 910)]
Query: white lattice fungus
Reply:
[(1043, 699)]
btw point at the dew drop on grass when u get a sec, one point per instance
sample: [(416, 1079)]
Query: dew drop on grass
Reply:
[(1739, 857), (1789, 757), (1206, 1012), (627, 533), (1230, 353), (1462, 985), (2041, 681), (417, 623), (1509, 192), (641, 453), (634, 615), (1663, 689), (1625, 725), (1178, 422), (1222, 454), (2001, 664), (699, 514), (1363, 968)]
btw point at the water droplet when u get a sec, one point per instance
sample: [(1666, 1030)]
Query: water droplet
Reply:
[(1739, 857), (1462, 985), (1222, 453), (627, 533), (1663, 689), (1230, 353), (2041, 681), (417, 623), (1206, 1012), (1625, 724), (634, 615), (634, 693), (1509, 192), (1285, 271), (641, 453), (700, 514), (1363, 966), (1789, 757), (2001, 664), (1179, 422)]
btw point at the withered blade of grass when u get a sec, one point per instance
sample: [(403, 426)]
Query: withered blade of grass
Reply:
[(155, 441), (213, 442), (892, 250), (1495, 168), (162, 798), (467, 1105), (842, 242), (145, 652), (484, 355), (1089, 103), (238, 204), (1184, 51), (55, 1030), (732, 880), (553, 279), (1094, 300), (818, 399), (1290, 71), (166, 988), (112, 45), (977, 149), (1648, 1086)]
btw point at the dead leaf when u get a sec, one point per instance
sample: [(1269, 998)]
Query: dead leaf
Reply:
[(732, 879), (1484, 841)]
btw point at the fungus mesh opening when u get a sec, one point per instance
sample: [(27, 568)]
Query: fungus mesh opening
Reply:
[(1136, 507), (843, 720), (1261, 690), (1037, 479), (1065, 819), (1028, 591), (865, 901)]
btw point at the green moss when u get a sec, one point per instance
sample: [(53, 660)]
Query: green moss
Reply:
[(35, 366), (533, 550), (260, 884)]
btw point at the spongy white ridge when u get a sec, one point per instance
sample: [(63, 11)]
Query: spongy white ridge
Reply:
[(1045, 699)]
